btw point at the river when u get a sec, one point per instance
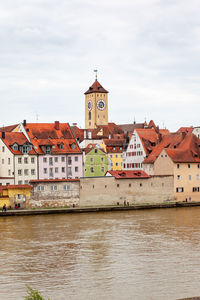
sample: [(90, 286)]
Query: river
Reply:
[(147, 254)]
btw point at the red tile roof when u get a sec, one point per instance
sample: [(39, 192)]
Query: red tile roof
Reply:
[(186, 129), (8, 128), (53, 180), (96, 88), (179, 146), (92, 146), (128, 174), (16, 137), (15, 186), (114, 145), (52, 134)]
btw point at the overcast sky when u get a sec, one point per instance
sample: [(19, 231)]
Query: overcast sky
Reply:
[(147, 53)]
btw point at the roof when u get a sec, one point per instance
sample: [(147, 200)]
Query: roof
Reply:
[(104, 132), (187, 151), (180, 147), (128, 174), (53, 180), (52, 134), (114, 145), (131, 127), (16, 137), (8, 128), (186, 129), (96, 87), (90, 147), (15, 186)]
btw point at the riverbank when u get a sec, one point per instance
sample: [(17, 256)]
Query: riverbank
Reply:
[(25, 212)]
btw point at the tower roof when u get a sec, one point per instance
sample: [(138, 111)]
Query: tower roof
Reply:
[(96, 88)]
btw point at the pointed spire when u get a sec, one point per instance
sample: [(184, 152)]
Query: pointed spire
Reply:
[(96, 71)]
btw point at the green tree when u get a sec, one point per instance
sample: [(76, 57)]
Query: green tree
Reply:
[(33, 294)]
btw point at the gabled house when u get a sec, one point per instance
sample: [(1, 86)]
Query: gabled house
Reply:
[(59, 155), (180, 158), (96, 162), (141, 144), (18, 158), (114, 149)]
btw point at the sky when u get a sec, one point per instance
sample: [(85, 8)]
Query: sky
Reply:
[(147, 53)]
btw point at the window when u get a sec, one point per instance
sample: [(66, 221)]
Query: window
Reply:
[(102, 159), (178, 177), (66, 187), (53, 187), (51, 172), (195, 189), (178, 166), (118, 185), (90, 115), (56, 170), (56, 159), (129, 185), (69, 160), (19, 172), (161, 155), (140, 184), (95, 150), (9, 172), (45, 170), (91, 159), (63, 169), (26, 160), (69, 171), (189, 177), (48, 149), (9, 160), (102, 169), (3, 149), (32, 160), (50, 161), (26, 181), (116, 156), (2, 161), (44, 159), (19, 160), (117, 164), (197, 177), (110, 155), (114, 148), (165, 155), (198, 166), (179, 189), (76, 169), (61, 146), (92, 170), (32, 171), (26, 172), (40, 188), (19, 181), (189, 166), (62, 158), (76, 158)]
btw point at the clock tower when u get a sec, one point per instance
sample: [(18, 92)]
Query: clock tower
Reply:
[(96, 106)]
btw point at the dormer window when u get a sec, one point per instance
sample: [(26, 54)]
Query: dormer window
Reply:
[(61, 146), (15, 147), (48, 149), (73, 146)]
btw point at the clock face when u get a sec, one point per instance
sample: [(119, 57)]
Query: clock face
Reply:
[(89, 105), (101, 104)]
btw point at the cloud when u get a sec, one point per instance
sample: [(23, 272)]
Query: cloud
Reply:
[(147, 53)]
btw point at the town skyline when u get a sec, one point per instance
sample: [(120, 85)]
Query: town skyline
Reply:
[(147, 54)]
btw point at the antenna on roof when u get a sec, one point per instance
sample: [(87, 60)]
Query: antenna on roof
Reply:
[(134, 122), (96, 73)]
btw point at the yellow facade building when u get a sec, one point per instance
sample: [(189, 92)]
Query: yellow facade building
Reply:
[(12, 195), (114, 149)]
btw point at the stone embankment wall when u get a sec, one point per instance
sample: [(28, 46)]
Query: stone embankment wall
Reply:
[(110, 191), (55, 194)]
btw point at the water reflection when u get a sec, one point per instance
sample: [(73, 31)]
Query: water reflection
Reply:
[(152, 254)]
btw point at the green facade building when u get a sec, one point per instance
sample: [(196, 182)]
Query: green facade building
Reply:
[(96, 162)]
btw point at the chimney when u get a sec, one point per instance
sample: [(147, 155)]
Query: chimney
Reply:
[(57, 125), (3, 135), (24, 123), (85, 134), (159, 137)]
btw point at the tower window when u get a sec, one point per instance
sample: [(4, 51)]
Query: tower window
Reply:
[(89, 115)]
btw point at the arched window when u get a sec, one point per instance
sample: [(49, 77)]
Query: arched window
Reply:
[(89, 115)]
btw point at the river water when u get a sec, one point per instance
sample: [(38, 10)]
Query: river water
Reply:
[(147, 254)]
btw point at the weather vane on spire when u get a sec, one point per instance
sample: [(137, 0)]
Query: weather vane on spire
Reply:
[(96, 73)]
